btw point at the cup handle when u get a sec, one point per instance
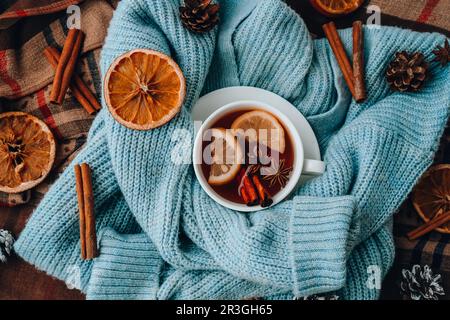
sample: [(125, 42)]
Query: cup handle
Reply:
[(313, 167)]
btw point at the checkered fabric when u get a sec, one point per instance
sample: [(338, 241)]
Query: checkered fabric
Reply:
[(421, 15), (26, 77), (11, 200), (13, 10)]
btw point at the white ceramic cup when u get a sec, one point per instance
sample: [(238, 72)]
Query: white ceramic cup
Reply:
[(300, 165)]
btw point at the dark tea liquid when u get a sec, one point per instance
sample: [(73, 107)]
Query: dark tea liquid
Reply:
[(231, 190)]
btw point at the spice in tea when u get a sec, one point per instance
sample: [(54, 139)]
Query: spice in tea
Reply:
[(264, 159)]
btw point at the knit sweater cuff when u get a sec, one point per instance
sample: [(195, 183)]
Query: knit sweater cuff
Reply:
[(320, 241), (128, 267)]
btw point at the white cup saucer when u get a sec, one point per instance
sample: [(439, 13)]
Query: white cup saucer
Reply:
[(212, 101)]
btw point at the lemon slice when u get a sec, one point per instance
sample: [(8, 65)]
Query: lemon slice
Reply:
[(27, 151), (226, 157), (431, 197), (261, 127)]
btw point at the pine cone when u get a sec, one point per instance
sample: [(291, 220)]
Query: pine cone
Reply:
[(421, 284), (442, 54), (407, 72), (199, 15), (6, 243)]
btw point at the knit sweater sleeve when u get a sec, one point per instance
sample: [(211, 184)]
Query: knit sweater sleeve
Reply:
[(368, 264), (301, 245), (128, 267), (50, 240)]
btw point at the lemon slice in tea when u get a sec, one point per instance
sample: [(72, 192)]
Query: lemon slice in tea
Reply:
[(27, 151), (144, 89), (226, 157), (261, 127)]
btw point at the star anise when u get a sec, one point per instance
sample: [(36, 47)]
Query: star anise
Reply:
[(431, 196), (277, 173), (442, 54)]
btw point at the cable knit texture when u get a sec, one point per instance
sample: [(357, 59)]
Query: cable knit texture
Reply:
[(162, 237)]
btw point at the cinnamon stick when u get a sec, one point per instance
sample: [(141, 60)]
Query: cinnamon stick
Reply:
[(66, 65), (79, 89), (247, 191), (358, 61), (88, 195), (434, 223), (251, 191), (77, 82), (70, 68), (67, 50), (80, 197), (341, 57), (85, 196), (244, 196), (86, 92), (264, 198)]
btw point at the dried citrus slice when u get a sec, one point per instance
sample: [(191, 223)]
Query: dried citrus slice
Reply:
[(261, 127), (226, 157), (431, 196), (335, 8), (27, 151), (144, 89)]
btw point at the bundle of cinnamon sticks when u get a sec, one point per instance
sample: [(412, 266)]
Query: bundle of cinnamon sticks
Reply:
[(65, 77), (353, 75), (252, 191), (85, 196)]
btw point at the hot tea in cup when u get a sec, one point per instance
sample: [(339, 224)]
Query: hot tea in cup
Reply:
[(248, 156)]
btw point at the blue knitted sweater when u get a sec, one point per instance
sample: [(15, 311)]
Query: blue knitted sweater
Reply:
[(161, 237)]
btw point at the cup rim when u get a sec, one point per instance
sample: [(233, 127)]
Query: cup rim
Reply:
[(251, 105)]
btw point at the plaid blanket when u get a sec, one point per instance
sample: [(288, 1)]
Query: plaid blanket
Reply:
[(26, 77), (12, 11), (25, 81)]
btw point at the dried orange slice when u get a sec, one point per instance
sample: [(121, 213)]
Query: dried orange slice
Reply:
[(333, 8), (27, 151), (226, 156), (261, 127), (431, 196), (144, 89)]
